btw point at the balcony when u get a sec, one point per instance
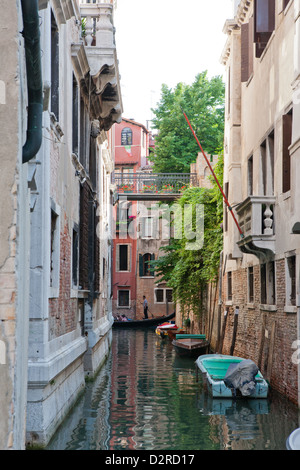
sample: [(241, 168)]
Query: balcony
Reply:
[(102, 82), (149, 186), (257, 221)]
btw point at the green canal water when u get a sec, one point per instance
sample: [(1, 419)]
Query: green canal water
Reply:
[(147, 398)]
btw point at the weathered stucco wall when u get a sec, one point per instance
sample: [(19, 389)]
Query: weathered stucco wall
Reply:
[(9, 96)]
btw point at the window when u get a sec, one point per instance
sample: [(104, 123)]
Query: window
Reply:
[(93, 163), (54, 249), (75, 112), (287, 120), (123, 298), (123, 258), (54, 67), (159, 295), (250, 285), (169, 295), (75, 244), (126, 136), (264, 23), (267, 283), (267, 165), (229, 285), (149, 227), (291, 280), (250, 176), (162, 296), (226, 190), (84, 134), (145, 268)]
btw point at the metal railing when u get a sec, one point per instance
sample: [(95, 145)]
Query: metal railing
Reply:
[(160, 183)]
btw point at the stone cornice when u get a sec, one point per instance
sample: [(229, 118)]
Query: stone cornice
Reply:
[(242, 11), (232, 25), (66, 9)]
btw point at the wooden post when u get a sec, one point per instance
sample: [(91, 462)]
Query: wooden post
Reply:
[(235, 325), (219, 350)]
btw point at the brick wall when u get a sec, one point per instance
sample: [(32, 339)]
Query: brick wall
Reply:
[(264, 336), (63, 309)]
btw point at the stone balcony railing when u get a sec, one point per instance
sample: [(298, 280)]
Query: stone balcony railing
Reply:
[(256, 217)]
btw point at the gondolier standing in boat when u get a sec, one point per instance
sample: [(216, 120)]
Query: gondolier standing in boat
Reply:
[(145, 303)]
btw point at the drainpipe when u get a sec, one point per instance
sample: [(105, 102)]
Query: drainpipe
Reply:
[(31, 34)]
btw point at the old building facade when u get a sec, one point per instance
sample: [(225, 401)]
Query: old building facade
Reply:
[(261, 157), (139, 232), (56, 253)]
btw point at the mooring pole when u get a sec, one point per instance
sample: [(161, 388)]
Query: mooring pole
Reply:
[(214, 175)]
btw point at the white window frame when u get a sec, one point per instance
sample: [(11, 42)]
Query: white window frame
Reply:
[(129, 298), (128, 258), (164, 289)]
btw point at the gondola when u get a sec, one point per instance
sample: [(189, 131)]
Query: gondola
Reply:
[(149, 322)]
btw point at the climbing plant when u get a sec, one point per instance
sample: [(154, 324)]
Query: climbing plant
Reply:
[(188, 271)]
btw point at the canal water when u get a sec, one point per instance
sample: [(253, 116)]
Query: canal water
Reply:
[(147, 398)]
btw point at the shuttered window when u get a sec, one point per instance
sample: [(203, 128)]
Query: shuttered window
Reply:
[(247, 50), (287, 120), (264, 23)]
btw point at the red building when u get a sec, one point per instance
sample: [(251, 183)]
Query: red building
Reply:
[(131, 142)]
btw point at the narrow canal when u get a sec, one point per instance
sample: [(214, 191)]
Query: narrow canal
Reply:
[(147, 398)]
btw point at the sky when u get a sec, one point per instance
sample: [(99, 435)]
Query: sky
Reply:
[(166, 42)]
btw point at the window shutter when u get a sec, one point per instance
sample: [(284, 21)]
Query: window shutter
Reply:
[(286, 159), (141, 267), (250, 46), (152, 270), (118, 258), (244, 52)]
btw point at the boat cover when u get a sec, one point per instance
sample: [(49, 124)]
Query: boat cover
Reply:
[(241, 376)]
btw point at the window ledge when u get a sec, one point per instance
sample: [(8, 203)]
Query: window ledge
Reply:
[(251, 305), (267, 46), (79, 293), (290, 309), (53, 292), (268, 308)]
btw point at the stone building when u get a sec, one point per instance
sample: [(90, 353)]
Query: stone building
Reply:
[(261, 171), (60, 72)]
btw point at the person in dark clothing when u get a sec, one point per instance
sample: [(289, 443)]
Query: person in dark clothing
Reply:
[(145, 303)]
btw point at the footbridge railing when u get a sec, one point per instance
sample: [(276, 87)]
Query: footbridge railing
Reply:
[(159, 184)]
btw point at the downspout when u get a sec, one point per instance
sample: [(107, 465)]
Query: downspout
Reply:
[(31, 34)]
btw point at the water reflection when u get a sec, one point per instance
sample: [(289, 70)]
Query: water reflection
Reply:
[(147, 398)]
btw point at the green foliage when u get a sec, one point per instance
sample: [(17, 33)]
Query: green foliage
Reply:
[(187, 271), (203, 103)]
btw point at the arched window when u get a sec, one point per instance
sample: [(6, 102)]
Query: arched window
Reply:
[(126, 136), (145, 268)]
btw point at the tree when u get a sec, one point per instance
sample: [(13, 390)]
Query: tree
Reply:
[(188, 271), (203, 102)]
